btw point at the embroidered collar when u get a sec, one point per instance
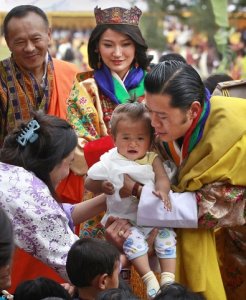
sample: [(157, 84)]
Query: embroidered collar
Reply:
[(193, 135), (112, 88)]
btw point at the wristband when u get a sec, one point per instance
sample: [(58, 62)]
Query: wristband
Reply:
[(135, 189)]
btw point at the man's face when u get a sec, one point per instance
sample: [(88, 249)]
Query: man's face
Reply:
[(117, 51), (28, 39), (170, 123)]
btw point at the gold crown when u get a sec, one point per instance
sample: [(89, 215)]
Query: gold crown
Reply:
[(117, 15)]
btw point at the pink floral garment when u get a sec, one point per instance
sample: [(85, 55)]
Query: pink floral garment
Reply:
[(41, 227)]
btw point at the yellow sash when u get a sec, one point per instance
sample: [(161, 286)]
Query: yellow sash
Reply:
[(220, 155)]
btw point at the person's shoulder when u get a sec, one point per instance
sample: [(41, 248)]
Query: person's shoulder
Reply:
[(65, 65), (7, 59), (232, 88), (5, 66), (232, 83), (10, 168), (151, 155)]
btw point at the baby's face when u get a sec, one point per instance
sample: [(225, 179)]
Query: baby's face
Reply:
[(132, 139)]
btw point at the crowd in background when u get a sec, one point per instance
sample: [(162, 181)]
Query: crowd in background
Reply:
[(201, 53), (195, 47), (71, 45)]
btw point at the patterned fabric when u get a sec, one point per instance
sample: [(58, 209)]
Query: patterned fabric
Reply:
[(38, 220), (112, 88), (231, 246), (89, 111), (221, 205), (117, 15), (20, 93), (136, 243)]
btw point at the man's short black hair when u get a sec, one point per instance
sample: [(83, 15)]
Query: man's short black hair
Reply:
[(20, 12)]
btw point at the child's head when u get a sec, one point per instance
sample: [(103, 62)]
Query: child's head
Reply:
[(116, 294), (93, 262), (40, 288), (131, 130), (178, 292), (212, 80)]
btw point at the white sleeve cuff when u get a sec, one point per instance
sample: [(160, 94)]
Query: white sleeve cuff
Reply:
[(151, 211)]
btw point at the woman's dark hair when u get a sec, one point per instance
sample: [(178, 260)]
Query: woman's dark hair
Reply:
[(56, 140), (40, 288), (20, 12), (6, 239), (176, 291), (132, 31), (177, 79), (89, 257)]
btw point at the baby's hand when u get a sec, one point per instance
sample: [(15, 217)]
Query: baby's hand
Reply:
[(165, 199), (107, 187)]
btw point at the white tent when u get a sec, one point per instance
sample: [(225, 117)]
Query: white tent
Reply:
[(71, 5)]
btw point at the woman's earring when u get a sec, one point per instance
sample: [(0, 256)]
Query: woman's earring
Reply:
[(99, 63), (136, 64)]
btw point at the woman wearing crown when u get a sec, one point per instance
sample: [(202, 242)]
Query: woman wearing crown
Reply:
[(117, 55)]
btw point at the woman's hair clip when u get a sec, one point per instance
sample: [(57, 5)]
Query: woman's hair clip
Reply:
[(28, 133)]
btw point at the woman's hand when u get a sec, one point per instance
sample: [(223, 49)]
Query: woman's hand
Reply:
[(126, 190), (117, 231)]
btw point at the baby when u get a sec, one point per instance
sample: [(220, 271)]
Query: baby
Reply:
[(132, 133)]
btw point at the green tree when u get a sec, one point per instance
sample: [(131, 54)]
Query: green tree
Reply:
[(151, 25), (222, 34)]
